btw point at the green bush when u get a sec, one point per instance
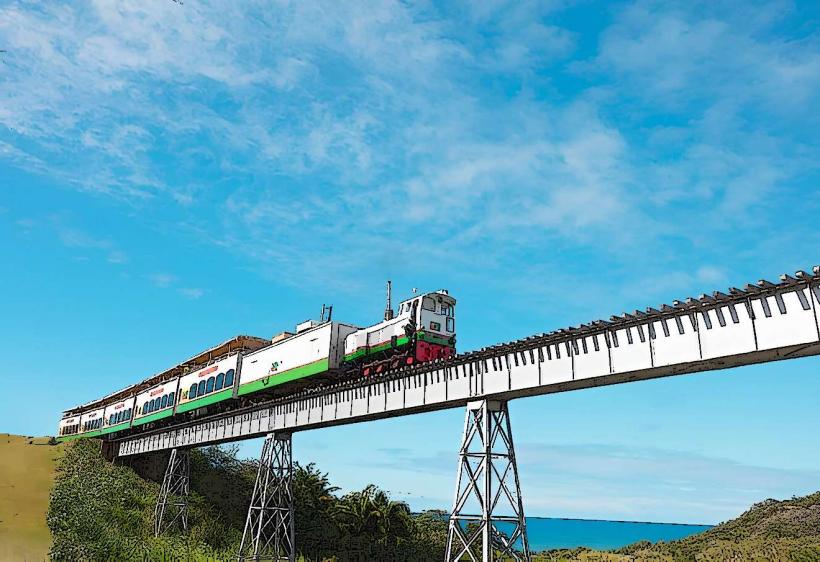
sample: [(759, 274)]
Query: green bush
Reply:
[(101, 511)]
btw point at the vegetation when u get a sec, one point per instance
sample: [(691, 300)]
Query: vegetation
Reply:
[(26, 472), (101, 511)]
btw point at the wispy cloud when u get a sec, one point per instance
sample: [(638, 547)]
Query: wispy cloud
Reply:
[(162, 280), (628, 483), (191, 293), (504, 137)]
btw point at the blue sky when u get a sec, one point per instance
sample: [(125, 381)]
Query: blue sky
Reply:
[(172, 175)]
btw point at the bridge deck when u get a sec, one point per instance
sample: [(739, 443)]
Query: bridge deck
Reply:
[(764, 322)]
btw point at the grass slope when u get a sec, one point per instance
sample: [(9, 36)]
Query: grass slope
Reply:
[(26, 476)]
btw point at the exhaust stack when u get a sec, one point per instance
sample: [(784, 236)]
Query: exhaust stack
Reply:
[(388, 309)]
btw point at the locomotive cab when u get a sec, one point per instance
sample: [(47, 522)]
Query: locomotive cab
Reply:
[(424, 329), (436, 335)]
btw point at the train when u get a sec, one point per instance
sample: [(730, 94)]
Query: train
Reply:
[(248, 370)]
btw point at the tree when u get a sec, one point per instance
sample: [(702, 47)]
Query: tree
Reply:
[(317, 532)]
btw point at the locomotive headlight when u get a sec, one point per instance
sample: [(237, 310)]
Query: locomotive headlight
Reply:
[(435, 326)]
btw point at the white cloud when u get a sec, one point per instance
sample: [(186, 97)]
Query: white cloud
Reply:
[(191, 293), (356, 126), (25, 223), (625, 483), (117, 257), (162, 280)]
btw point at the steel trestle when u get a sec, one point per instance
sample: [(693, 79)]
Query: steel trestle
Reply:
[(487, 478), (172, 502), (269, 529)]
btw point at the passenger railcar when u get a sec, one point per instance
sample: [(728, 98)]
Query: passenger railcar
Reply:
[(422, 330), (208, 385), (156, 403), (117, 416), (313, 350)]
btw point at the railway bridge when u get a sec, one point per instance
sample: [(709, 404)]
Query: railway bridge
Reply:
[(758, 323)]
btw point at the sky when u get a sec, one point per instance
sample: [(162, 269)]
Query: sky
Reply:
[(174, 174)]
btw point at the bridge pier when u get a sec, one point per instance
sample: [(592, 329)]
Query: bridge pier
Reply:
[(269, 529), (487, 490), (172, 502)]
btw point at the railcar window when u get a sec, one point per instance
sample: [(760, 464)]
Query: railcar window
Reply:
[(200, 389), (192, 392), (451, 324), (170, 398), (164, 402), (209, 387), (220, 381), (428, 304), (229, 377)]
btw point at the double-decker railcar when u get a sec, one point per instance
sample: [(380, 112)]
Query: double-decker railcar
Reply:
[(91, 422), (208, 385), (117, 416), (156, 402), (69, 427)]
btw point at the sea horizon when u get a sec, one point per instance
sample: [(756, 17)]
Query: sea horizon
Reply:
[(548, 533)]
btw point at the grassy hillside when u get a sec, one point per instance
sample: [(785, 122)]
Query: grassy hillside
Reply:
[(81, 507), (26, 476), (104, 511)]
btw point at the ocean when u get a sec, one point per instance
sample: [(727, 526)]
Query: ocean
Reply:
[(545, 533)]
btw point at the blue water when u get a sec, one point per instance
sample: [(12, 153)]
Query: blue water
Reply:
[(546, 533)]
